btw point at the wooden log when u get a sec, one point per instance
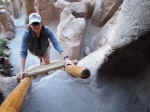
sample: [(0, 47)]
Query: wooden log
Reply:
[(74, 70), (15, 99), (77, 71), (39, 69)]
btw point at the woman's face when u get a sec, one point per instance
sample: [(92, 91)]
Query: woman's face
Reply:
[(36, 27)]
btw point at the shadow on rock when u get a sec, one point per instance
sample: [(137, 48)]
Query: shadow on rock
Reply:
[(129, 62)]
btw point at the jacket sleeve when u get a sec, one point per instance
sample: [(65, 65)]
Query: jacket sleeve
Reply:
[(54, 41), (24, 47)]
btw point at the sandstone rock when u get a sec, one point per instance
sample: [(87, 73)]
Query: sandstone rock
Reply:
[(90, 6), (48, 11), (70, 32), (16, 6), (105, 33), (1, 27), (79, 9), (7, 25), (28, 7), (87, 51), (104, 10), (8, 84), (5, 8), (82, 9), (61, 4), (65, 14), (73, 0)]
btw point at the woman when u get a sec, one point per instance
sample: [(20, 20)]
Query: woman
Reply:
[(36, 40)]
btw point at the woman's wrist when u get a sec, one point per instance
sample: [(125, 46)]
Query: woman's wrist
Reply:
[(66, 57)]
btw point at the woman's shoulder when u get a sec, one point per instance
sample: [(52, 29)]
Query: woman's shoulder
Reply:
[(46, 28), (26, 33)]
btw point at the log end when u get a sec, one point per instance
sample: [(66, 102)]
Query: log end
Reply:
[(85, 74)]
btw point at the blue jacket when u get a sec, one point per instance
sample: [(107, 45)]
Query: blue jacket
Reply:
[(52, 38)]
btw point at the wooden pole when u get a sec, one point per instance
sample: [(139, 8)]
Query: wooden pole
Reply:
[(15, 99), (74, 70), (39, 69), (77, 71)]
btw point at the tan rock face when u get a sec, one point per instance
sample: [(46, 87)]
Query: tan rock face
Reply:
[(104, 10), (70, 32), (6, 24), (1, 27), (5, 8), (82, 9), (28, 7), (73, 0), (65, 13), (89, 5), (79, 9), (61, 4), (48, 11), (16, 6)]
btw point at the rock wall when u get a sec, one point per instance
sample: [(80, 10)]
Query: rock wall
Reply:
[(28, 7), (75, 14), (48, 11), (7, 25), (16, 6), (70, 35), (126, 29), (104, 10)]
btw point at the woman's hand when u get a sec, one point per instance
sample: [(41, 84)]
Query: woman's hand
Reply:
[(20, 76), (68, 62)]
